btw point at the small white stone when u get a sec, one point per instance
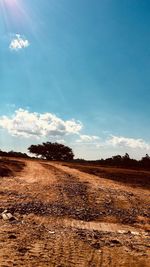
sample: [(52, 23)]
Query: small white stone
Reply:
[(135, 233), (121, 232)]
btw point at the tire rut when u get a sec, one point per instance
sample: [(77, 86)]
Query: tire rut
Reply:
[(57, 224)]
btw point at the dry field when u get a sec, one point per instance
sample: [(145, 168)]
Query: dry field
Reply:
[(73, 215)]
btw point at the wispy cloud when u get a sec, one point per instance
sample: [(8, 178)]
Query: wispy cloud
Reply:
[(18, 43), (128, 142), (87, 138), (27, 124)]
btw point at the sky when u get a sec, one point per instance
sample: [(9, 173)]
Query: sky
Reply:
[(75, 72)]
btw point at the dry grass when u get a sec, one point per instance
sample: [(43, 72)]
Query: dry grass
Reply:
[(131, 177)]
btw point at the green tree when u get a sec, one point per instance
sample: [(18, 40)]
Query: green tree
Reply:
[(52, 151)]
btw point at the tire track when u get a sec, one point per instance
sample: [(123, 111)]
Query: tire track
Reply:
[(49, 202)]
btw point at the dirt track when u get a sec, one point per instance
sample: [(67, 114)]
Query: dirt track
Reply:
[(68, 218)]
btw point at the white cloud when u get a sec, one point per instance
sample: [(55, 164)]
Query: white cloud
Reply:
[(28, 124), (18, 42), (61, 141), (128, 142), (87, 139)]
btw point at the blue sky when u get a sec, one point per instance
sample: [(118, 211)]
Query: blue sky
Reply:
[(82, 61)]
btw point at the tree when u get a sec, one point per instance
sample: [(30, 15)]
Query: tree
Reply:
[(145, 161), (117, 160), (52, 151), (126, 156)]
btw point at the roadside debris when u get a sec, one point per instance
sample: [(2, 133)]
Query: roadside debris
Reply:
[(7, 216), (135, 233), (122, 232), (51, 232)]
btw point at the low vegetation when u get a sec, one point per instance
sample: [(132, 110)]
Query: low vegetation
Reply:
[(13, 154), (128, 176), (121, 161)]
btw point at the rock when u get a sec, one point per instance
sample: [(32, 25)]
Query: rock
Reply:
[(23, 250), (135, 233), (51, 232), (115, 242), (122, 232), (146, 234), (7, 216)]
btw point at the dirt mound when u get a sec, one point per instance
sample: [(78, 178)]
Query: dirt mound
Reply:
[(9, 167)]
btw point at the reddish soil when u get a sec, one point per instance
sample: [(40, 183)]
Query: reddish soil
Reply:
[(65, 217)]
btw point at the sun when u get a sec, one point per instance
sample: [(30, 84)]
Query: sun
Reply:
[(16, 13), (9, 9), (12, 10)]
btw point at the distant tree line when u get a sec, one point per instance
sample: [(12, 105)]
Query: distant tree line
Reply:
[(60, 152), (48, 151), (13, 154), (121, 161)]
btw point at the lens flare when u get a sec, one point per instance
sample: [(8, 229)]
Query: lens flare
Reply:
[(12, 6), (17, 16), (9, 3), (15, 13)]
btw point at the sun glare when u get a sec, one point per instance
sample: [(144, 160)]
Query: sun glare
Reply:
[(9, 2), (14, 11), (10, 10), (19, 14)]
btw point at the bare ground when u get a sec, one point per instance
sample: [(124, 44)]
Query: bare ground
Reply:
[(64, 217)]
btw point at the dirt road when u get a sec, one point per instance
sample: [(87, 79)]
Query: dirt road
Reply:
[(64, 217)]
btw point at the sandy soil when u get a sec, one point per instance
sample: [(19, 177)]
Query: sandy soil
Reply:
[(64, 217)]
